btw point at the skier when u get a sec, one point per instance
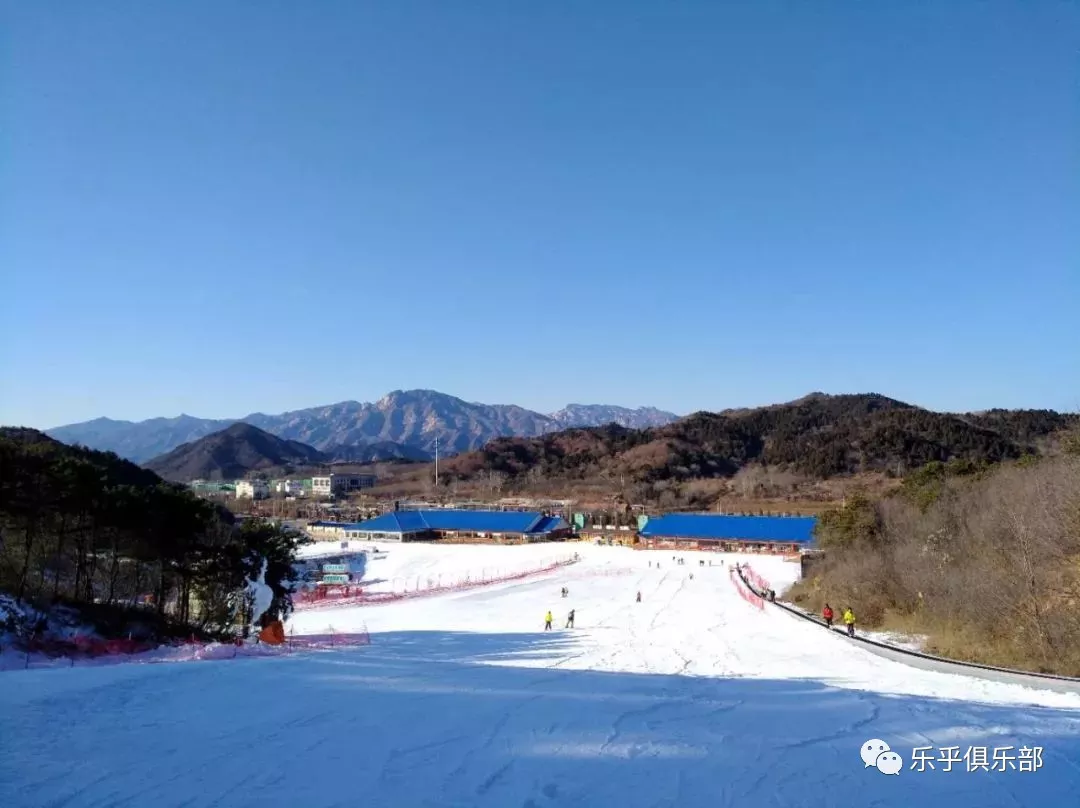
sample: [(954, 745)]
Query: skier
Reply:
[(639, 597), (849, 621), (570, 619), (691, 576), (547, 621), (827, 614)]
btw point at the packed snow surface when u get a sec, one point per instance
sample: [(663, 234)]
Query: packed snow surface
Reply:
[(691, 697)]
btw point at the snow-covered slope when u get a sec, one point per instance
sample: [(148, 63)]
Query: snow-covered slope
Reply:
[(396, 564), (689, 698)]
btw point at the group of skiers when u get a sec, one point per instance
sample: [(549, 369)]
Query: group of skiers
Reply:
[(848, 617), (548, 618), (827, 614), (678, 561)]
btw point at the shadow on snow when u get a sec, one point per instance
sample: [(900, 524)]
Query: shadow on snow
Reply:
[(436, 718)]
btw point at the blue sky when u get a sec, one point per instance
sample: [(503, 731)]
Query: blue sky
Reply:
[(224, 207)]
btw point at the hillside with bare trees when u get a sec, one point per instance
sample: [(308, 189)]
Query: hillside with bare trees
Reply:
[(983, 562), (776, 448)]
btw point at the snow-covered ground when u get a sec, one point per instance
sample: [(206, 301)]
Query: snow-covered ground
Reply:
[(399, 566), (898, 639), (691, 698)]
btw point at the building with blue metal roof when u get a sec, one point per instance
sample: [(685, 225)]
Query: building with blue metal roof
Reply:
[(709, 531), (436, 524)]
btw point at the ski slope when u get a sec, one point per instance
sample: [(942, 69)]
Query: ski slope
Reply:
[(407, 564), (689, 698)]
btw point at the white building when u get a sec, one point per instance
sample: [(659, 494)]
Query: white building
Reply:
[(252, 489), (341, 484), (327, 530), (291, 488)]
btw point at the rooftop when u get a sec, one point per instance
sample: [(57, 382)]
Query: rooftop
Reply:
[(468, 521), (708, 526)]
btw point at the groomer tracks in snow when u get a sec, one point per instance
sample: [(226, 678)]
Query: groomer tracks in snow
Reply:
[(690, 697)]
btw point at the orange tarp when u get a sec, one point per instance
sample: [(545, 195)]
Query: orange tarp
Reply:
[(273, 634)]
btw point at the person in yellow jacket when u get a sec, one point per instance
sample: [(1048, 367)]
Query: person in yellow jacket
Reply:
[(849, 621), (547, 621)]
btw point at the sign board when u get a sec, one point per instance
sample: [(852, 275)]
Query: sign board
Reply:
[(335, 579), (339, 568)]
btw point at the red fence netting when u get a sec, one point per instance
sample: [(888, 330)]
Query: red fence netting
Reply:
[(743, 591), (754, 579)]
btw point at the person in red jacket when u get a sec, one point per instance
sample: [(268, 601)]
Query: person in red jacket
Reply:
[(827, 613)]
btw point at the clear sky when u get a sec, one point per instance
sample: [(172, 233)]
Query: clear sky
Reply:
[(225, 207)]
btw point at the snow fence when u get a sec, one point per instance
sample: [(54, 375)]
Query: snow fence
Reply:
[(754, 579), (419, 586), (745, 592)]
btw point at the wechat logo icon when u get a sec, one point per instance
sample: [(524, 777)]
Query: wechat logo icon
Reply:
[(877, 753)]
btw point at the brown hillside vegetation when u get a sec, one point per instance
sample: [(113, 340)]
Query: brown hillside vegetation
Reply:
[(781, 452), (984, 563)]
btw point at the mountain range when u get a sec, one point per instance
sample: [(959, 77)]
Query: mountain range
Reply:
[(816, 437), (404, 424)]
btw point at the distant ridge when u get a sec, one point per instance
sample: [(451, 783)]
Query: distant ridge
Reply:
[(410, 420)]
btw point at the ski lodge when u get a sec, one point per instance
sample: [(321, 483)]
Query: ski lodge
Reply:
[(450, 526), (707, 531)]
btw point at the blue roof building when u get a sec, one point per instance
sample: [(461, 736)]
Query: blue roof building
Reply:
[(440, 523), (707, 531)]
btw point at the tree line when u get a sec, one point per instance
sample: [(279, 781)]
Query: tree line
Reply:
[(87, 529), (984, 561)]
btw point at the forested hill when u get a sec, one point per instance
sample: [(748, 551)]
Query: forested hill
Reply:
[(232, 453), (89, 529), (819, 436)]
